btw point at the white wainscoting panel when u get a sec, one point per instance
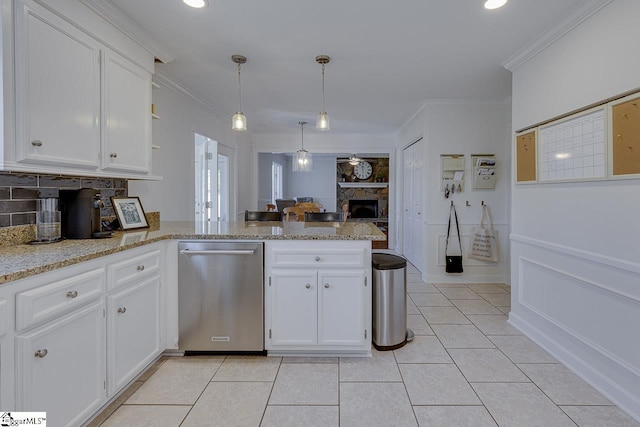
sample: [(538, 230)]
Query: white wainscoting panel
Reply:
[(584, 309)]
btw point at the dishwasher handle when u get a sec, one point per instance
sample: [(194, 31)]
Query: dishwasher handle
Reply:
[(218, 252)]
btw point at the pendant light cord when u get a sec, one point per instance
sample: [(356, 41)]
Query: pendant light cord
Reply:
[(322, 88), (240, 91)]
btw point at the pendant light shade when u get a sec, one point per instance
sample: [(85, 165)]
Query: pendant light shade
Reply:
[(239, 121), (302, 161), (494, 4), (322, 122)]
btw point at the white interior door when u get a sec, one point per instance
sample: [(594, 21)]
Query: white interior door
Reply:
[(418, 208), (407, 217), (213, 180)]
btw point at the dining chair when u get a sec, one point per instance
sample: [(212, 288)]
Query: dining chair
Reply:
[(261, 216), (309, 205), (299, 212), (270, 207)]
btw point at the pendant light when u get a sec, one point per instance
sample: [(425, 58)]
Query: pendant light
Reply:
[(322, 122), (302, 161), (239, 121)]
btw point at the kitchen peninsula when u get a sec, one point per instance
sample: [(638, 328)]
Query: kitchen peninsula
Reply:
[(81, 319)]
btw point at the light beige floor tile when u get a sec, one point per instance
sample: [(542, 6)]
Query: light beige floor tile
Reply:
[(106, 413), (306, 384), (563, 386), (475, 307), (461, 336), (188, 376), (449, 285), (303, 359), (505, 287), (423, 350), (430, 384), (453, 416), (147, 416), (421, 287), (427, 299), (521, 405), (371, 405), (381, 366), (411, 307), (248, 368), (486, 365), (459, 293), (497, 299), (493, 324), (418, 325), (520, 349), (152, 369), (297, 416), (599, 416), (505, 309), (486, 288), (444, 316), (414, 277), (230, 404)]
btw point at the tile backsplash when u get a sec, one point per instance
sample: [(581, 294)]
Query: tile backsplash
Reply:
[(19, 191)]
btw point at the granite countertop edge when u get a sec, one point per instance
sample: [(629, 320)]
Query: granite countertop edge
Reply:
[(23, 261)]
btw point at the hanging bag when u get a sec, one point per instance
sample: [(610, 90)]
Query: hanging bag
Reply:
[(453, 262), (482, 239)]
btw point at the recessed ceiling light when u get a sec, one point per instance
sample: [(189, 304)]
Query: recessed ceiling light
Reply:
[(198, 4), (494, 4)]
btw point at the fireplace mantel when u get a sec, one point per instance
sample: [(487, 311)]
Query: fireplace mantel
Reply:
[(363, 184)]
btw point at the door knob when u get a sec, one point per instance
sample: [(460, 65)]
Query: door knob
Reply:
[(72, 294), (326, 285), (140, 268), (36, 143), (113, 155), (122, 310), (317, 258), (308, 286), (41, 353)]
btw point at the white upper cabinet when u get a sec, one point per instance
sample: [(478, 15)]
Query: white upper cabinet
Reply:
[(81, 108), (126, 143), (57, 91)]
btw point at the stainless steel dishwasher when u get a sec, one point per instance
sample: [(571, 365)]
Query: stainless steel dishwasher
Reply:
[(220, 296)]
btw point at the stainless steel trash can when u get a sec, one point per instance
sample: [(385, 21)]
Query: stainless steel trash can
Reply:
[(389, 302)]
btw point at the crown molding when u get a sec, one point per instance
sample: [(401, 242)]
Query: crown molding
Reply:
[(564, 25), (163, 80), (116, 17)]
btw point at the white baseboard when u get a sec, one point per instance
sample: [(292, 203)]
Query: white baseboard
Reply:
[(464, 278)]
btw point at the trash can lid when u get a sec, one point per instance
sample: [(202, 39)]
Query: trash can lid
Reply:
[(387, 261)]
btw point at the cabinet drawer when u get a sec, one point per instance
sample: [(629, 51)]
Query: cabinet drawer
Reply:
[(317, 258), (4, 316), (122, 273), (49, 301)]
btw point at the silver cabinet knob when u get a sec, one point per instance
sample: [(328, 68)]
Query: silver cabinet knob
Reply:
[(36, 143), (308, 286), (326, 285), (122, 310), (317, 258), (72, 294), (140, 268), (41, 353), (113, 155)]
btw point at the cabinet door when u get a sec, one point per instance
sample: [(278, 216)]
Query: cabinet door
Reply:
[(341, 309), (293, 308), (57, 91), (60, 367), (133, 331), (127, 115)]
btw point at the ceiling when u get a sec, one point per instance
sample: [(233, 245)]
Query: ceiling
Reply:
[(387, 58)]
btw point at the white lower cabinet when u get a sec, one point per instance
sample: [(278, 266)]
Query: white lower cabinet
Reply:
[(318, 297), (61, 366), (133, 329)]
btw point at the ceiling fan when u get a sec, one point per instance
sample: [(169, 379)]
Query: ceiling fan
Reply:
[(352, 160)]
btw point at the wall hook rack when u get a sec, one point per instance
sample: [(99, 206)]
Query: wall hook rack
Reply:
[(468, 204), (483, 203), (452, 203)]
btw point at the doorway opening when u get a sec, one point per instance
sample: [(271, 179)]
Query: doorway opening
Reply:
[(212, 180)]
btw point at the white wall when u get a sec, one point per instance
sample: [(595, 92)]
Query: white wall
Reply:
[(181, 116), (462, 127), (575, 251)]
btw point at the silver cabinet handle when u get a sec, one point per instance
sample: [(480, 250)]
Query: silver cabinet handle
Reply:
[(308, 286), (317, 258), (72, 294), (140, 268), (122, 310), (326, 285), (218, 252), (41, 353), (113, 155), (36, 143)]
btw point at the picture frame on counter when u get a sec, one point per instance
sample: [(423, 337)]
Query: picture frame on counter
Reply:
[(129, 212)]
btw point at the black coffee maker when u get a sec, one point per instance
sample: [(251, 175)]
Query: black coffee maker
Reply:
[(81, 214)]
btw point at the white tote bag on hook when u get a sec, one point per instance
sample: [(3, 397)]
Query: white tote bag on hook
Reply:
[(482, 239)]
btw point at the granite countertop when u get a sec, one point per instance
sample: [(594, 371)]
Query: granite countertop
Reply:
[(21, 261)]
